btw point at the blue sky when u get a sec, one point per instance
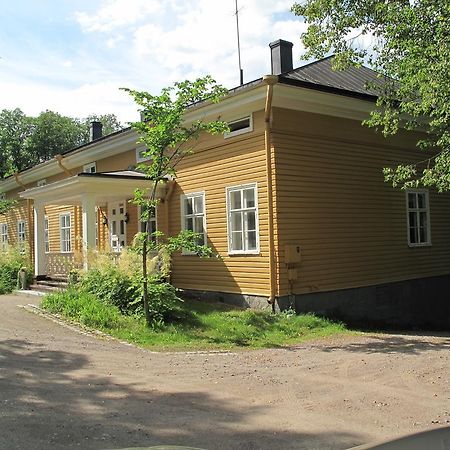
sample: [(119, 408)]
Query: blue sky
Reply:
[(73, 56)]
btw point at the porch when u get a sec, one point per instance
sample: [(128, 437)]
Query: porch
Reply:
[(88, 192)]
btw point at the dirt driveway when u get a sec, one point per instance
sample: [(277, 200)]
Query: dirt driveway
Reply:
[(61, 389)]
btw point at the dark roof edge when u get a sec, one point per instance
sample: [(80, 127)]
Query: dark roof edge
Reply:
[(110, 175), (330, 89)]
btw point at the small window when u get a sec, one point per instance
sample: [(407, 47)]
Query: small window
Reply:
[(193, 215), (90, 168), (2, 196), (65, 233), (418, 218), (4, 237), (140, 154), (46, 239), (240, 126), (152, 221), (242, 212), (41, 183), (21, 235)]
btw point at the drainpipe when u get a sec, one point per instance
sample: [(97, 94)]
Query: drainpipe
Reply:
[(59, 159), (29, 220), (166, 201), (270, 81)]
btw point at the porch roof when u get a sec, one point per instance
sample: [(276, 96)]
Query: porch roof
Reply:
[(103, 186)]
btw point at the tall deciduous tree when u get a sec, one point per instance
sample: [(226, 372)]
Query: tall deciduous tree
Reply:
[(168, 139), (409, 45)]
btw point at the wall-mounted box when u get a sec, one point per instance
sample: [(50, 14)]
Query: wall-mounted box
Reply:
[(292, 254)]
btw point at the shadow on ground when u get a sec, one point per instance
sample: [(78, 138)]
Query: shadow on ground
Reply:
[(45, 403), (390, 344)]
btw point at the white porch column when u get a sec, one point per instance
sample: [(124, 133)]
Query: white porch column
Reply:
[(39, 241), (88, 224)]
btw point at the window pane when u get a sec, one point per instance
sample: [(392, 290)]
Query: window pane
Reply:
[(236, 221), (422, 235), (198, 205), (198, 224), (188, 206), (114, 227), (423, 219), (251, 240), (412, 219), (236, 241), (413, 235), (412, 200), (190, 223), (235, 197), (421, 200), (122, 227), (250, 220), (249, 198)]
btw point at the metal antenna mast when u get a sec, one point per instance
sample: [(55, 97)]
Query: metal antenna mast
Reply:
[(241, 72)]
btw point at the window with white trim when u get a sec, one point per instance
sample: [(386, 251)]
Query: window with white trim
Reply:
[(90, 168), (21, 235), (140, 154), (418, 217), (239, 126), (46, 239), (4, 237), (145, 219), (242, 213), (65, 233), (193, 215)]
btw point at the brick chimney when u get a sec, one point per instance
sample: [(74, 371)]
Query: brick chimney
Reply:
[(281, 55), (96, 130)]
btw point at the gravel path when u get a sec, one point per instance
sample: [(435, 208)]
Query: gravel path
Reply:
[(61, 389)]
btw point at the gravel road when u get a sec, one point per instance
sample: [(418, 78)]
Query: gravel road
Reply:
[(62, 389)]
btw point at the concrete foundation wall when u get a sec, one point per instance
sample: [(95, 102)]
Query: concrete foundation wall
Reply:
[(413, 304)]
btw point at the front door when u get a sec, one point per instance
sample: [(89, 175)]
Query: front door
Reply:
[(117, 225)]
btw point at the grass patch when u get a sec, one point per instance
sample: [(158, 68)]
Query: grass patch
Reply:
[(195, 326)]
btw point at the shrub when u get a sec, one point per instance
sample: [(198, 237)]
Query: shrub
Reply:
[(11, 262)]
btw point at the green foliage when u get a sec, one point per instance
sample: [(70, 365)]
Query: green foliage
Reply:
[(26, 141), (10, 264), (83, 307), (408, 45), (195, 325), (168, 138), (112, 286), (6, 206)]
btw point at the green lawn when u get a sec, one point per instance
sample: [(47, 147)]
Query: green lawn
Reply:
[(198, 325)]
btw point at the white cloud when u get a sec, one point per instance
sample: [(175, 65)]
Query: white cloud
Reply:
[(114, 14)]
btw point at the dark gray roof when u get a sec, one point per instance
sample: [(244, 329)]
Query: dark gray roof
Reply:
[(320, 74)]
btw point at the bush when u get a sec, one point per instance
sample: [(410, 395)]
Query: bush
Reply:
[(10, 264), (118, 281)]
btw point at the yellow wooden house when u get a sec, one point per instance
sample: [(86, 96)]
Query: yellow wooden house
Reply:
[(292, 199)]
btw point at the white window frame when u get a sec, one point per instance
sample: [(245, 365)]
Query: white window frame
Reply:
[(42, 182), (46, 235), (4, 238), (90, 167), (185, 216), (65, 245), (21, 234), (244, 130), (139, 157), (417, 211), (244, 251)]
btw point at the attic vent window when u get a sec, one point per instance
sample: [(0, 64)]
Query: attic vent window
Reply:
[(240, 126), (41, 183)]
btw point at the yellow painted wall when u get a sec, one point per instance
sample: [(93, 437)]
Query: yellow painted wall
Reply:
[(333, 202)]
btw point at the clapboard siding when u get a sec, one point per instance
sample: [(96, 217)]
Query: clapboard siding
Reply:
[(333, 202), (216, 165)]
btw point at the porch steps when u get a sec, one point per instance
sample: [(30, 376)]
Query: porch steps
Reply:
[(48, 285)]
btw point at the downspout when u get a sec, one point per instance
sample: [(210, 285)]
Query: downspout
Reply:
[(166, 201), (270, 81), (59, 159), (29, 220)]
